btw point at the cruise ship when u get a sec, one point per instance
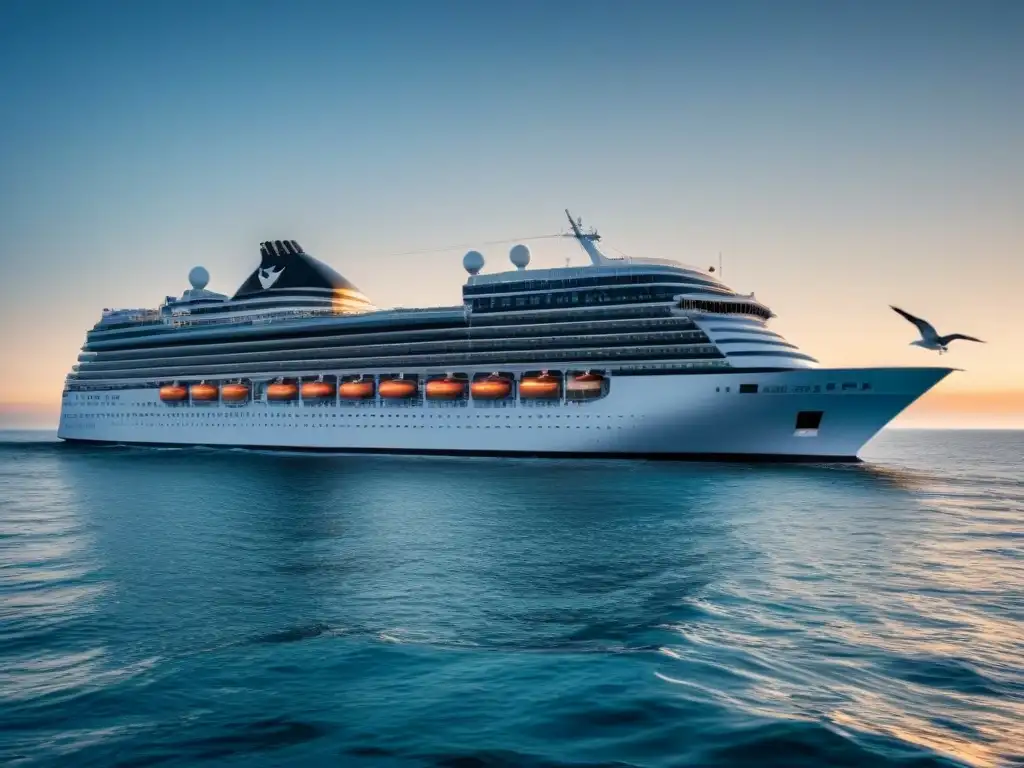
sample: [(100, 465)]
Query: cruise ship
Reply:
[(623, 357)]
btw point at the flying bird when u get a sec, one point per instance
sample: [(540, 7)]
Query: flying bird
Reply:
[(930, 338)]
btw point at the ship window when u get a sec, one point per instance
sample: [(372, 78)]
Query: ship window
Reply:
[(809, 419), (748, 389)]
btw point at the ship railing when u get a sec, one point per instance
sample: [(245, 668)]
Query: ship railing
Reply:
[(188, 321), (682, 351), (663, 263)]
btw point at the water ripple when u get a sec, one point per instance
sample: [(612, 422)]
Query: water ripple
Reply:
[(170, 607)]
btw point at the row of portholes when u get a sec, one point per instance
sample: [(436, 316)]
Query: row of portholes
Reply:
[(532, 386), (382, 425), (155, 419)]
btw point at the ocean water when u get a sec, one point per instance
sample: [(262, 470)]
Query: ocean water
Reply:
[(183, 607)]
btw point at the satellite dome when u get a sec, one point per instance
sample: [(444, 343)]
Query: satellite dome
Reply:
[(520, 256), (199, 277), (473, 262)]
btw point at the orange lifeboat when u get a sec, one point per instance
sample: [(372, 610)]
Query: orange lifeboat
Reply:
[(234, 393), (445, 389), (279, 392), (203, 393), (173, 393), (543, 387), (585, 383), (491, 388), (397, 388), (317, 390), (359, 389)]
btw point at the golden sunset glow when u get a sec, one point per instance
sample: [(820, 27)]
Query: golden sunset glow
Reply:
[(980, 410)]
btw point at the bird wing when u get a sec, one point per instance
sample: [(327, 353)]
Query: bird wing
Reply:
[(927, 329), (953, 336)]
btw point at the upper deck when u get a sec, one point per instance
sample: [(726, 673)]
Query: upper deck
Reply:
[(292, 289)]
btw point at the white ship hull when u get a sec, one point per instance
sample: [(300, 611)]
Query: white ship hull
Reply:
[(668, 416)]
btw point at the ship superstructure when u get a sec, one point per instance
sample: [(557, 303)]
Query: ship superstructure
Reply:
[(622, 357)]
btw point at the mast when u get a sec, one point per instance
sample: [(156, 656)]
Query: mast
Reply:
[(587, 241)]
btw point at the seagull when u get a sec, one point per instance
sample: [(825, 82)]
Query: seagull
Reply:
[(930, 338)]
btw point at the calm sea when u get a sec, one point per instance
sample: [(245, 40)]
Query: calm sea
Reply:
[(174, 607)]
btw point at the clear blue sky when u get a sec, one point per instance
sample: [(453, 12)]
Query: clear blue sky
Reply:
[(843, 155)]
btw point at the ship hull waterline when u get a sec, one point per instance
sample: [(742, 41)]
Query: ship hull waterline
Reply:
[(675, 416)]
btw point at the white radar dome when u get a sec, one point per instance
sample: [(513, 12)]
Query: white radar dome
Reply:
[(199, 277), (473, 262), (520, 256)]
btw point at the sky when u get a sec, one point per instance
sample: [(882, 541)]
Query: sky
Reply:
[(841, 156)]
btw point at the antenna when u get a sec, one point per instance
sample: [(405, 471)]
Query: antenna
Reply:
[(719, 265), (587, 240), (577, 229)]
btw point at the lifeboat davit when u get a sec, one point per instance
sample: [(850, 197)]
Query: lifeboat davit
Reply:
[(445, 389), (491, 388), (203, 393), (281, 391), (359, 389), (234, 393), (543, 387), (317, 390), (585, 384), (397, 388), (173, 393)]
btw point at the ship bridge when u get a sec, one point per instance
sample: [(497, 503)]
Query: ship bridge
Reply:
[(610, 288)]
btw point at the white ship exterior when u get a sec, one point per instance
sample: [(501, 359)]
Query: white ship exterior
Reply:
[(620, 358)]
